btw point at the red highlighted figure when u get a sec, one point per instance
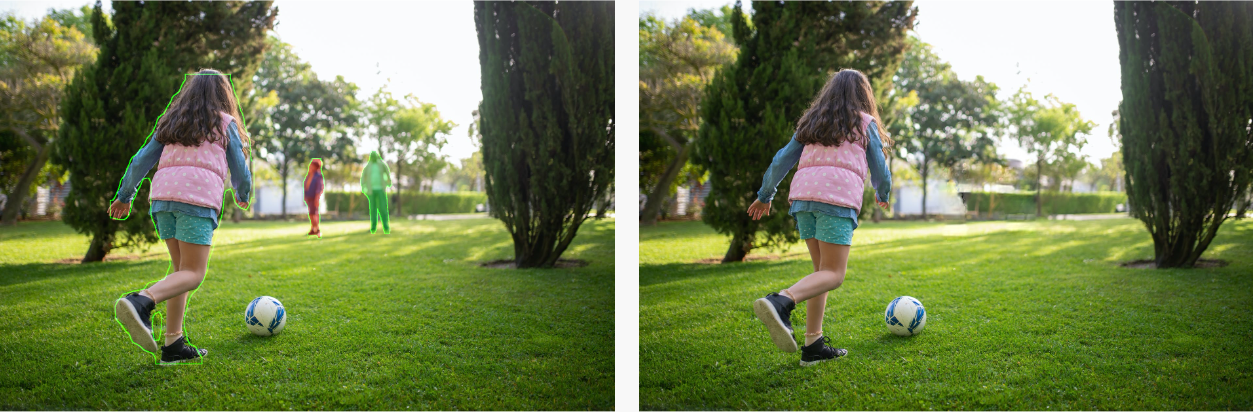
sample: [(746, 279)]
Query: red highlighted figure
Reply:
[(313, 195)]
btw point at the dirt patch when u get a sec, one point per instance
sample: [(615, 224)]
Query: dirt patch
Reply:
[(1150, 264), (78, 260), (509, 264), (750, 258)]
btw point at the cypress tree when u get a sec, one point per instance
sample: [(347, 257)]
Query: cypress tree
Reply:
[(751, 106), (1187, 83), (111, 107), (546, 118)]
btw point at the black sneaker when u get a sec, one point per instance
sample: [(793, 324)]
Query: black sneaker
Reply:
[(135, 313), (181, 352), (775, 311), (819, 351)]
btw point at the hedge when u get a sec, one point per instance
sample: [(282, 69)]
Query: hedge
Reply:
[(1054, 203), (414, 203)]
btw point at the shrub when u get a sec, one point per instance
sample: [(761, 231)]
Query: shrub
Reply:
[(1053, 203), (415, 203)]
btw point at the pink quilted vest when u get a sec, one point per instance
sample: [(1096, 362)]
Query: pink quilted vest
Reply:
[(193, 175), (833, 175)]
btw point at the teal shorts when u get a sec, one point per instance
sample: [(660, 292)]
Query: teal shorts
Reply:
[(190, 229), (824, 227)]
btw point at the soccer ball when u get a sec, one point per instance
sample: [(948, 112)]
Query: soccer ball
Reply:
[(905, 316), (265, 316)]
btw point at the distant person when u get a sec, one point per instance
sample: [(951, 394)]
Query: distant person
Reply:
[(375, 179), (197, 140), (313, 195), (837, 142)]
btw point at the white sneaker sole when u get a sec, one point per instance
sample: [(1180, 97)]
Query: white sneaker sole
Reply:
[(129, 316), (804, 363), (778, 330)]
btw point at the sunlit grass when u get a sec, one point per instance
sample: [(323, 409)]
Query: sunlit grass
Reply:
[(1021, 316), (392, 322)]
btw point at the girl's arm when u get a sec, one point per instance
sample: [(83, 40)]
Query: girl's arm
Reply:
[(141, 163), (880, 176), (241, 176), (784, 160)]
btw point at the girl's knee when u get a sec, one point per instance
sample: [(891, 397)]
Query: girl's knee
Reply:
[(837, 279)]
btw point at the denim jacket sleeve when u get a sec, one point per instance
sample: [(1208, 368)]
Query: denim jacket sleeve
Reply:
[(141, 163), (880, 176), (241, 177), (784, 160)]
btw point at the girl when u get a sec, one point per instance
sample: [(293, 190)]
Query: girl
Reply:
[(837, 140), (313, 195), (197, 140)]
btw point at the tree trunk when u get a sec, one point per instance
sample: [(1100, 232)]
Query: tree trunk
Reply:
[(924, 170), (1039, 178), (14, 205), (400, 195), (100, 246), (652, 207), (602, 206), (739, 248), (283, 183), (991, 204)]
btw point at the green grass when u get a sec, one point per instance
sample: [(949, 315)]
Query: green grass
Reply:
[(1021, 316), (391, 322)]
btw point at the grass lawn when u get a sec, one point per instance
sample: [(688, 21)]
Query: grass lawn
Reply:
[(1021, 316), (393, 322)]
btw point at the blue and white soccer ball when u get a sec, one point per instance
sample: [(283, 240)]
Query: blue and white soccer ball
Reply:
[(265, 316), (905, 316)]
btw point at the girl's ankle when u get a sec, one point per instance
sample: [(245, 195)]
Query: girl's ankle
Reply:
[(810, 338), (170, 338)]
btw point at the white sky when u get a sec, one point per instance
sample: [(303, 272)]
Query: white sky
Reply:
[(1069, 49), (428, 49)]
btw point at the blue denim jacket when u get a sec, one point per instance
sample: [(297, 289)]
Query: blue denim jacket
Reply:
[(790, 155), (150, 154)]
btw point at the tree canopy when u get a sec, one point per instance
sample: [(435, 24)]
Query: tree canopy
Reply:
[(750, 107), (112, 106)]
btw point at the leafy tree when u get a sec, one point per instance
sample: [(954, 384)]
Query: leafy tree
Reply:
[(111, 106), (677, 60), (411, 132), (1052, 130), (1185, 118), (547, 118), (952, 120), (36, 62), (466, 174), (310, 118), (718, 19), (419, 132), (750, 107)]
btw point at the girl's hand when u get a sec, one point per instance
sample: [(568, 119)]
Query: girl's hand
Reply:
[(758, 209), (886, 207), (119, 210), (242, 205)]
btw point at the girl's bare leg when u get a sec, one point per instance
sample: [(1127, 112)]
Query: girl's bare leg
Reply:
[(175, 307), (830, 263), (193, 260)]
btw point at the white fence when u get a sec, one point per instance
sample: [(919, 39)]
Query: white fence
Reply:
[(268, 198)]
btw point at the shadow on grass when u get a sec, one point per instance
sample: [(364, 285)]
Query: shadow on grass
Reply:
[(33, 272)]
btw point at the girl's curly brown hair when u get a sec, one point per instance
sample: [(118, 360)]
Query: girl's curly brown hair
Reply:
[(192, 117), (833, 117)]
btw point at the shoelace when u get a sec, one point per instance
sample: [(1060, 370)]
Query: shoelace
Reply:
[(827, 350)]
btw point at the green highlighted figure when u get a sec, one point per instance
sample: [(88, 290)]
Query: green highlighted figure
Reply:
[(375, 179)]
